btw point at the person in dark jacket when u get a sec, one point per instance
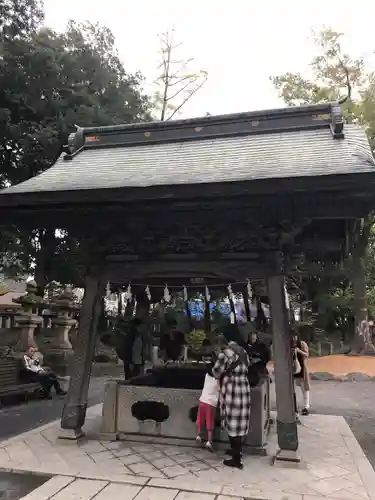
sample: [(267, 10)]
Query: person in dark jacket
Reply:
[(259, 353), (172, 343), (129, 348)]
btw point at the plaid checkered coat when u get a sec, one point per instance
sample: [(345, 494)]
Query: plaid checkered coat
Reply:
[(234, 396)]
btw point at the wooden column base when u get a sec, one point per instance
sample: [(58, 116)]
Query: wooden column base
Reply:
[(73, 418), (71, 434), (287, 458)]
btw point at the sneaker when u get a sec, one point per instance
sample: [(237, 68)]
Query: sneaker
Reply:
[(231, 462), (198, 439), (208, 446), (305, 412)]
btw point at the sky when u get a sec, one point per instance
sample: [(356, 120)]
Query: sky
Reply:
[(240, 43)]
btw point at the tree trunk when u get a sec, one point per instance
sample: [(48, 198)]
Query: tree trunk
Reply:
[(44, 258)]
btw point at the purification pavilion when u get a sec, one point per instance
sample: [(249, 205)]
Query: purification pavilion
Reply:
[(216, 199)]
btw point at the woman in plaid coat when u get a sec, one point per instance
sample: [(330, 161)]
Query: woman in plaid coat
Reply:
[(234, 397)]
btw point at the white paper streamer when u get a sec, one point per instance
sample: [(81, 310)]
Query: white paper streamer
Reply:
[(108, 290), (230, 292), (186, 298), (167, 295), (249, 291), (207, 294), (148, 293), (287, 303), (129, 294)]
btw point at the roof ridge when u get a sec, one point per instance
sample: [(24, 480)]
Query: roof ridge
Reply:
[(255, 122)]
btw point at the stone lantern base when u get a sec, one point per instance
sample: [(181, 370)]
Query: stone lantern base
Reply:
[(59, 360)]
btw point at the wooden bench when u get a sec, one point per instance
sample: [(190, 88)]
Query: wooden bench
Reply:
[(10, 383)]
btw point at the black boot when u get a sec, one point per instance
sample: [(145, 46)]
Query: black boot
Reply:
[(236, 449)]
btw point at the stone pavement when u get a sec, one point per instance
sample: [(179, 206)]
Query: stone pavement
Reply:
[(29, 415), (335, 467)]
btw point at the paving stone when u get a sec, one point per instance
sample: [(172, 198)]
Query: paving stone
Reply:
[(131, 459), (226, 497), (116, 478), (116, 445), (50, 488), (119, 491), (124, 452), (175, 470), (145, 469), (161, 463), (184, 483), (142, 448), (189, 495), (101, 456), (149, 493), (183, 459), (81, 489), (196, 466), (153, 455)]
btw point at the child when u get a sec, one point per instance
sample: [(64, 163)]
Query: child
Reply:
[(207, 407)]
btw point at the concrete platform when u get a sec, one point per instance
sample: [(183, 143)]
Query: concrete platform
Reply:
[(335, 467)]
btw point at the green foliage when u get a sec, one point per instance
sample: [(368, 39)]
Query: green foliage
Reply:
[(332, 69), (49, 82), (195, 340)]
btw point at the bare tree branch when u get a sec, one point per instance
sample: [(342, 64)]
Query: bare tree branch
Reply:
[(175, 73), (198, 87)]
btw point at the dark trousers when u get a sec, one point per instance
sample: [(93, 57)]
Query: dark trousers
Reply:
[(236, 447), (131, 371), (47, 380)]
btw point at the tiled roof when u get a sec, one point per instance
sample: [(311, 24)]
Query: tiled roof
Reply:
[(240, 158)]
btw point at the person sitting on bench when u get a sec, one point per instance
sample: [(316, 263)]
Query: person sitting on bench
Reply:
[(32, 371)]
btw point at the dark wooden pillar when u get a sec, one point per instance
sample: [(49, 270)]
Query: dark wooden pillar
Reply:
[(287, 434), (74, 412)]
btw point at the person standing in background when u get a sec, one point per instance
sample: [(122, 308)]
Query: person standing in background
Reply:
[(259, 353), (300, 353)]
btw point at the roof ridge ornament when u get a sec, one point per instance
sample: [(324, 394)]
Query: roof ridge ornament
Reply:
[(75, 143), (337, 120)]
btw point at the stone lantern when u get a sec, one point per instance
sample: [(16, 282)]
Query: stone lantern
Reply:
[(28, 318), (59, 352)]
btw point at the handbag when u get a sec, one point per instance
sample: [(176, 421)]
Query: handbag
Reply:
[(297, 368)]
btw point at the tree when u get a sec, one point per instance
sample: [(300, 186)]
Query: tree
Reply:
[(49, 82), (18, 18), (176, 83), (334, 73)]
